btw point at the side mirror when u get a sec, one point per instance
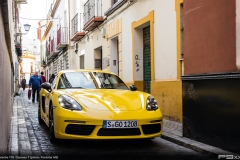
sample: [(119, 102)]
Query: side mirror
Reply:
[(133, 88), (46, 86)]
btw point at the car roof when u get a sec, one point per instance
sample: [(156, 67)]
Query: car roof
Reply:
[(84, 70)]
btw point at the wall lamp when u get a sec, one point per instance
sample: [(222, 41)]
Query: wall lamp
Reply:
[(26, 28)]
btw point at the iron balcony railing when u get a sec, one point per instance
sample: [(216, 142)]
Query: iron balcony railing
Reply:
[(75, 23), (53, 48), (92, 8), (49, 49), (114, 7), (62, 36)]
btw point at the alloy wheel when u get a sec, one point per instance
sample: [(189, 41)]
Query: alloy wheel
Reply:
[(40, 121), (52, 137)]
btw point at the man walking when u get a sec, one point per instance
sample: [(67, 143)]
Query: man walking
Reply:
[(43, 78), (35, 82), (23, 83)]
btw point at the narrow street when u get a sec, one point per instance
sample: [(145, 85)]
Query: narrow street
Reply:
[(28, 138)]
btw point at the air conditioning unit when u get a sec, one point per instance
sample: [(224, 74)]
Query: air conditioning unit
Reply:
[(103, 32), (21, 1)]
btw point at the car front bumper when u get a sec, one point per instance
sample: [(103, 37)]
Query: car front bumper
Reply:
[(80, 125)]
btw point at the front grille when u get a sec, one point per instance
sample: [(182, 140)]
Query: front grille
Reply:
[(119, 132), (151, 128), (79, 129)]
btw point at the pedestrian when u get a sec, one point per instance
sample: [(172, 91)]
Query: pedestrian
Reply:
[(52, 78), (35, 82), (43, 78), (23, 83)]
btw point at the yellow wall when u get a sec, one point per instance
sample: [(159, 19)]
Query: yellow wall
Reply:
[(139, 85), (115, 29), (135, 24), (129, 83), (169, 97), (179, 62), (169, 93)]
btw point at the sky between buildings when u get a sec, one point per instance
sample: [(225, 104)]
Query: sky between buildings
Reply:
[(34, 9)]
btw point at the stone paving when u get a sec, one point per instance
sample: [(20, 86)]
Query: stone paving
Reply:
[(28, 138)]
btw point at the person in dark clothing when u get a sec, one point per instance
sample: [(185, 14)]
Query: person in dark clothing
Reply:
[(35, 82), (52, 78), (43, 78), (23, 83)]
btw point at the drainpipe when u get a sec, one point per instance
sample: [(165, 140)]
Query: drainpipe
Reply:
[(69, 39)]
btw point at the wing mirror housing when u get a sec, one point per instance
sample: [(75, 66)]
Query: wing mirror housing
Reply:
[(46, 86), (133, 88)]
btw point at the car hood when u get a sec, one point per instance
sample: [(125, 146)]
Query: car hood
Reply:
[(108, 99)]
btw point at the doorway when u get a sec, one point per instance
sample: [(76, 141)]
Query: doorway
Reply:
[(146, 60), (98, 58), (114, 54), (82, 61)]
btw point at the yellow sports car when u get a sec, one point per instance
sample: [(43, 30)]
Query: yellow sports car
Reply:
[(94, 104)]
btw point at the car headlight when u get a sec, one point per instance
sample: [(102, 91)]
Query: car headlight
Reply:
[(151, 104), (68, 103)]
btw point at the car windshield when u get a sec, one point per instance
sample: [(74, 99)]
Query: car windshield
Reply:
[(90, 80), (110, 81)]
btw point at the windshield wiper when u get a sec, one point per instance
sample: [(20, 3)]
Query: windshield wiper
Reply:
[(74, 87), (108, 88)]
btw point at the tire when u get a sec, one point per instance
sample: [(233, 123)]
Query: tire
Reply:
[(40, 121), (52, 137)]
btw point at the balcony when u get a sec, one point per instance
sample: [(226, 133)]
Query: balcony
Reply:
[(62, 38), (92, 16), (76, 34), (114, 7), (53, 50), (18, 50), (43, 64)]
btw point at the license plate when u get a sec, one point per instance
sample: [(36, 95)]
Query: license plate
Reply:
[(120, 124)]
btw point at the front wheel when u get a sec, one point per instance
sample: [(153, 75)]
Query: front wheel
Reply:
[(52, 137), (40, 121)]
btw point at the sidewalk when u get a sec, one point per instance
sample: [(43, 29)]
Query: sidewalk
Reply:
[(172, 131), (23, 141)]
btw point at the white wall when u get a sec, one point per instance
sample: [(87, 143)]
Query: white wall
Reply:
[(95, 40), (164, 37), (138, 56)]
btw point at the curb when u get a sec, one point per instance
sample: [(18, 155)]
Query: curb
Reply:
[(196, 146)]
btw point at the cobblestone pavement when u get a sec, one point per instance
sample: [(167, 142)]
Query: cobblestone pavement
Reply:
[(28, 138)]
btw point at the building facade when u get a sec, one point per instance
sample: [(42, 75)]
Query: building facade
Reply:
[(140, 48), (30, 58), (55, 39), (211, 107), (10, 56), (28, 65)]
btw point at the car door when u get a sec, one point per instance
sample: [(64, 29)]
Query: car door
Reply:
[(48, 96)]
